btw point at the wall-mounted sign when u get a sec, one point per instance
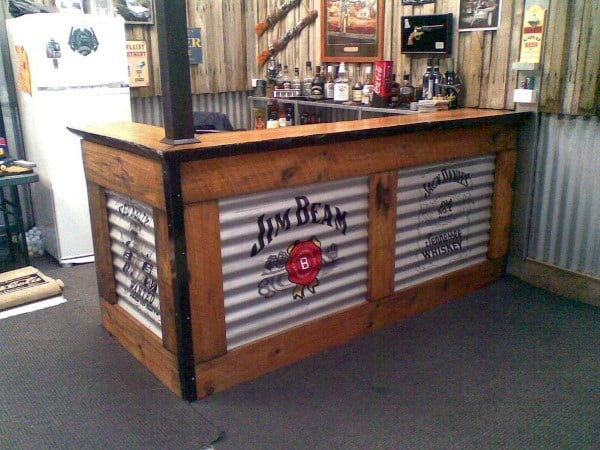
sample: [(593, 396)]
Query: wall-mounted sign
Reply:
[(479, 15), (533, 34), (194, 45), (137, 56), (135, 12)]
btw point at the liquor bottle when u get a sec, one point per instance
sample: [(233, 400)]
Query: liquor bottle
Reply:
[(281, 117), (341, 90), (357, 88), (450, 80), (329, 83), (367, 92), (287, 82), (279, 77), (436, 77), (406, 93), (273, 114), (290, 116), (317, 86), (307, 80), (296, 81), (394, 92), (427, 95)]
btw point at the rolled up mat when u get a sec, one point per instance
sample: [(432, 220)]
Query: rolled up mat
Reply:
[(26, 285)]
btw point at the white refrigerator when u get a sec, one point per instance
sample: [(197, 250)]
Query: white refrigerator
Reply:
[(70, 70)]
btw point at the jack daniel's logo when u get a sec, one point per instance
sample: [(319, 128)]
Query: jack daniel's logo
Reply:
[(303, 213)]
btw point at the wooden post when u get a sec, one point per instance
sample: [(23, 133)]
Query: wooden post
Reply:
[(171, 24)]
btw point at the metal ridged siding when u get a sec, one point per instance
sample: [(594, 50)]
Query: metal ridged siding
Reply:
[(259, 296), (565, 229), (235, 104), (443, 218), (131, 225)]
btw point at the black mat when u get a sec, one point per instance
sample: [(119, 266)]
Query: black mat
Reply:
[(65, 383)]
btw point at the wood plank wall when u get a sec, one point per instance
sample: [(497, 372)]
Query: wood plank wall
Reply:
[(570, 77)]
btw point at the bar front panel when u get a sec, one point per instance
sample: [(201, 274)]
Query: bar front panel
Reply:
[(443, 218), (133, 250), (292, 255)]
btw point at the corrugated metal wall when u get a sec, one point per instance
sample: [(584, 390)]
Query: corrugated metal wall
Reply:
[(565, 229), (235, 104), (443, 219), (292, 255)]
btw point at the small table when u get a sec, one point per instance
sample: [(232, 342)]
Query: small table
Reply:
[(13, 243)]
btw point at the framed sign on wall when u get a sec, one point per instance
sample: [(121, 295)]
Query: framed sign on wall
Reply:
[(137, 12), (427, 34), (352, 30), (479, 15)]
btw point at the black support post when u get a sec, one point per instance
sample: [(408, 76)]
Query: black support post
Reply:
[(171, 23)]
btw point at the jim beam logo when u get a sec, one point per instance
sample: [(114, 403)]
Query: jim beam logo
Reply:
[(443, 215), (137, 257), (303, 262)]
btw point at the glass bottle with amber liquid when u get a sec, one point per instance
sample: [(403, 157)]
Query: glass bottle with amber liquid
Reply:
[(406, 94), (317, 86)]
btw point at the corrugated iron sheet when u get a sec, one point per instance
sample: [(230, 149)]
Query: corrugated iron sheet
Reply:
[(443, 219), (565, 229), (292, 255), (235, 104), (131, 225)]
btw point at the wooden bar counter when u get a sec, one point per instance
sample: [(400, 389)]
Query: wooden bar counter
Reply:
[(222, 260)]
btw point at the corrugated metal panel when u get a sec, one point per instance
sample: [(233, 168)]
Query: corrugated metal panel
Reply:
[(131, 225), (235, 104), (565, 228), (270, 284), (443, 218)]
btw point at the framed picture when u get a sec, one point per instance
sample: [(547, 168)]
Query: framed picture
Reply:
[(479, 15), (426, 34), (137, 12), (352, 30)]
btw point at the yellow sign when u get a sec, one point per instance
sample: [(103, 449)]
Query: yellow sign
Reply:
[(24, 74), (533, 34), (137, 55)]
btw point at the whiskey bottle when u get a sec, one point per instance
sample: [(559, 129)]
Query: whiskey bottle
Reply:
[(427, 80), (317, 86), (394, 92), (307, 80), (406, 93), (329, 83), (436, 77), (341, 90), (296, 81), (357, 88), (367, 91)]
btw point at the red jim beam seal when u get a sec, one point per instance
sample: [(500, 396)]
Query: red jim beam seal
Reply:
[(303, 265)]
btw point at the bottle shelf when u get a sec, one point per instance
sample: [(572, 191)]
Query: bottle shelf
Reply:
[(327, 104)]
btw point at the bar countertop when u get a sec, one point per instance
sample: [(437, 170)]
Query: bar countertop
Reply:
[(145, 139)]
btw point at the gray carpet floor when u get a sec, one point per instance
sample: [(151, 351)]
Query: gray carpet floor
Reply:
[(511, 366)]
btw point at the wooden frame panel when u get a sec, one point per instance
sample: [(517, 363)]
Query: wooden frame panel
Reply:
[(203, 241), (132, 175), (101, 238), (382, 234), (243, 174), (502, 204)]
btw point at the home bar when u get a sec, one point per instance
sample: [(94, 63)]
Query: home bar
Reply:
[(227, 258)]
